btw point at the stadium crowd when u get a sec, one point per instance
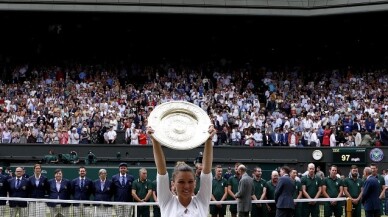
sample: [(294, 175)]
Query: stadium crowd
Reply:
[(252, 107), (124, 187)]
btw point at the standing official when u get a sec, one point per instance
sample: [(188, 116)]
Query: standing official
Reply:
[(102, 191), (59, 188), (233, 188), (142, 192), (122, 190), (270, 193), (81, 188), (332, 187), (245, 191), (38, 189), (156, 208), (18, 187), (198, 170), (353, 190), (381, 181), (219, 193), (260, 191), (370, 194), (311, 188), (3, 191), (284, 194), (297, 193)]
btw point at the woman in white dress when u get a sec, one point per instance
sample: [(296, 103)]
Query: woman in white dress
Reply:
[(134, 137), (184, 203)]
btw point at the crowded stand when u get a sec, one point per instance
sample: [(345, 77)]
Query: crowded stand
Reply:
[(89, 104)]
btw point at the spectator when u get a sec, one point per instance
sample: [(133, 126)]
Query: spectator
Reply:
[(6, 136), (74, 136), (143, 138), (63, 136), (110, 136), (343, 100)]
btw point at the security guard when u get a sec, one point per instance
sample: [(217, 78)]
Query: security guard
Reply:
[(142, 192)]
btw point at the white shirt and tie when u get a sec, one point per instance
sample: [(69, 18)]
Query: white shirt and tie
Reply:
[(17, 184), (102, 184), (37, 181), (58, 185), (123, 180), (82, 182)]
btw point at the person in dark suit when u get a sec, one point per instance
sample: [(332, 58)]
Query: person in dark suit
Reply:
[(356, 125), (59, 188), (81, 189), (245, 191), (370, 195), (38, 189), (3, 191), (18, 187), (284, 138), (102, 191), (266, 139), (276, 137), (122, 190), (284, 194)]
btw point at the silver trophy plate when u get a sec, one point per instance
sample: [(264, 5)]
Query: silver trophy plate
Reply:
[(179, 125)]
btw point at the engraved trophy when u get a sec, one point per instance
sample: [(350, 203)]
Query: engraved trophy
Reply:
[(179, 125)]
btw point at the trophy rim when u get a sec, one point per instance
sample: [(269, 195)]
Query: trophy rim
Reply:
[(194, 134)]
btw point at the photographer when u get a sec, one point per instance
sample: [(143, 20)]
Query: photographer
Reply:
[(90, 158)]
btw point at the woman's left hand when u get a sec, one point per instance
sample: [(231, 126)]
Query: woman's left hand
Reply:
[(212, 131)]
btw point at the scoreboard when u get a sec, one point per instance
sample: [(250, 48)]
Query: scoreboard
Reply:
[(349, 156)]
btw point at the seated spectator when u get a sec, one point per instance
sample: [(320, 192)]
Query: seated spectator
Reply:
[(6, 136), (367, 139), (74, 136), (142, 138), (84, 137)]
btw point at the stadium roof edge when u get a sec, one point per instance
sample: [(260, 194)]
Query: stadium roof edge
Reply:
[(196, 9)]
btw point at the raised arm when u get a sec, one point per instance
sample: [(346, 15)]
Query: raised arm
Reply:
[(207, 159), (160, 160)]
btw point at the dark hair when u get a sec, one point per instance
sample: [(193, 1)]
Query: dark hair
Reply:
[(373, 164), (57, 171), (218, 166), (37, 165), (353, 167), (257, 168), (181, 166), (286, 169)]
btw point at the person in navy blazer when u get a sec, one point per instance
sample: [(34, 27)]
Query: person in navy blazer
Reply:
[(38, 189), (3, 191), (38, 183), (284, 194), (59, 188), (102, 191), (18, 187), (276, 137), (122, 189), (81, 189), (284, 138), (370, 194)]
